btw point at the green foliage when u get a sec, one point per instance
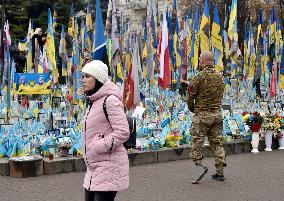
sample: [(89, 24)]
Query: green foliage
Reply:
[(19, 12)]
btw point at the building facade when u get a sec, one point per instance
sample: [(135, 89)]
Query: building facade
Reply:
[(134, 12)]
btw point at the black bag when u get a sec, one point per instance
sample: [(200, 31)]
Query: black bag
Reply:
[(131, 142)]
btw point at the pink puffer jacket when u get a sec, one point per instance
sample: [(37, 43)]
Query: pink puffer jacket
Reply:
[(103, 151)]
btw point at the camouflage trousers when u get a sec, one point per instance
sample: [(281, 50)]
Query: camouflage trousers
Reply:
[(211, 125)]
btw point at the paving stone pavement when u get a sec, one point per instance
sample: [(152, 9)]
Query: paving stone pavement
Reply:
[(249, 177)]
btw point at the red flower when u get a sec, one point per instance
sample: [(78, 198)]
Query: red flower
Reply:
[(255, 114), (255, 127)]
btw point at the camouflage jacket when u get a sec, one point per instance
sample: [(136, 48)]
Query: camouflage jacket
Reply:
[(205, 92)]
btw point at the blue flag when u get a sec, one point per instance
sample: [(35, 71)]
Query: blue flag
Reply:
[(100, 52)]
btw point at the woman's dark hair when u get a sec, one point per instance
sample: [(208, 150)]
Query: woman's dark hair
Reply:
[(98, 85)]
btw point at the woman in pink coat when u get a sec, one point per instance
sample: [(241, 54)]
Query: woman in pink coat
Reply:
[(103, 151)]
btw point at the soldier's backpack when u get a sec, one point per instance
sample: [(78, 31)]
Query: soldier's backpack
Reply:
[(131, 142)]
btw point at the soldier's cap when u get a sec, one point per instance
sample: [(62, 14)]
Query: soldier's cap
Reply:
[(207, 58)]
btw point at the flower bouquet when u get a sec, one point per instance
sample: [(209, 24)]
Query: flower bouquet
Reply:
[(272, 124), (280, 120), (64, 148), (254, 120)]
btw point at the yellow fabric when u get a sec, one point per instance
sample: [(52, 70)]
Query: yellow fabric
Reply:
[(227, 49), (217, 43), (37, 89), (233, 17), (281, 82), (252, 66), (128, 61), (273, 33), (144, 52), (39, 68), (89, 22), (216, 38), (50, 52), (204, 32), (189, 41), (219, 66), (119, 72), (22, 46), (194, 59), (29, 62), (178, 57), (71, 27)]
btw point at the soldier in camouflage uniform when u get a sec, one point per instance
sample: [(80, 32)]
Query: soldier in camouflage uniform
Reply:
[(205, 94)]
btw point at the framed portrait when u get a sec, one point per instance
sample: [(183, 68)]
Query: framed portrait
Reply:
[(227, 107), (61, 123), (56, 102), (54, 132)]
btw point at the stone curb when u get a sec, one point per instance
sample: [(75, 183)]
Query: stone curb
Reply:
[(136, 157), (4, 167)]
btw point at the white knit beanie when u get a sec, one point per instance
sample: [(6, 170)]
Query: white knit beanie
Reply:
[(97, 69)]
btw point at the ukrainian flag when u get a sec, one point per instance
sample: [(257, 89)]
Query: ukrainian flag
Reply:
[(50, 48), (71, 23), (233, 19), (252, 55), (204, 29), (216, 39), (189, 35), (100, 52), (89, 21), (195, 40)]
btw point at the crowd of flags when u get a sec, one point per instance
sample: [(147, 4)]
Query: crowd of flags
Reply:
[(168, 48)]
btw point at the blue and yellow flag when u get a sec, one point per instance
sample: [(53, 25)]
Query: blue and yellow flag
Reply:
[(171, 39), (272, 37), (216, 39), (177, 51), (251, 52), (225, 35), (50, 48), (153, 30), (205, 29), (71, 23), (100, 51), (233, 19), (195, 39), (89, 21), (188, 22)]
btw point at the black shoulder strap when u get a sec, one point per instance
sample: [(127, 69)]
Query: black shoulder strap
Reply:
[(104, 107)]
